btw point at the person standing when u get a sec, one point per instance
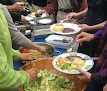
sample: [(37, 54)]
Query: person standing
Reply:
[(9, 78), (15, 9), (96, 15), (98, 74), (69, 6), (17, 37), (44, 6)]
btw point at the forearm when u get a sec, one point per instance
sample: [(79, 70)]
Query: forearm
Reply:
[(97, 27), (16, 54), (34, 46), (20, 39), (16, 35), (9, 8), (83, 13)]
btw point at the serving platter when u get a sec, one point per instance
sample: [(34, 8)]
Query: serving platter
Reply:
[(72, 26), (50, 50), (88, 63)]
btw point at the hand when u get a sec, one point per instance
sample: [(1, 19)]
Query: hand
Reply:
[(32, 74), (73, 16), (42, 49), (23, 19), (85, 27), (105, 88), (84, 76), (18, 7), (37, 47), (25, 57), (83, 36), (40, 11)]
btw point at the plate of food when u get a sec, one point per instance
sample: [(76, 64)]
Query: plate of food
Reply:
[(68, 62), (65, 28)]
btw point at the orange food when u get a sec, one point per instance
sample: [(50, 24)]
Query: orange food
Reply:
[(34, 53)]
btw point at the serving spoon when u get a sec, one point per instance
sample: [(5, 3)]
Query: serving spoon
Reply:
[(92, 58)]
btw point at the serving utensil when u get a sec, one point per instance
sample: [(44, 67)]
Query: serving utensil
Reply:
[(63, 20), (92, 58), (71, 48), (26, 8)]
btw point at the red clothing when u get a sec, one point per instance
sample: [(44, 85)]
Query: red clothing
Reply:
[(99, 76), (52, 6), (76, 7)]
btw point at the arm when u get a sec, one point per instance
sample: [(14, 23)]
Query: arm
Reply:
[(7, 73), (102, 29), (91, 28), (87, 76), (16, 7), (16, 35), (105, 87), (83, 13), (79, 15), (97, 27), (16, 54), (51, 6)]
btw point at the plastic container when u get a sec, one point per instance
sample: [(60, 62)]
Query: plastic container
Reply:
[(42, 31), (59, 41)]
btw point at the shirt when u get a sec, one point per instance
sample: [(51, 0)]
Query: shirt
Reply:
[(16, 36), (64, 4), (9, 78), (97, 12), (99, 77)]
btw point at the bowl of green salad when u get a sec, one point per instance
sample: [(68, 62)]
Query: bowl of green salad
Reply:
[(50, 79)]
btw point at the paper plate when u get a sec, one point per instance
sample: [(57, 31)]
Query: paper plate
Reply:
[(88, 63), (67, 25)]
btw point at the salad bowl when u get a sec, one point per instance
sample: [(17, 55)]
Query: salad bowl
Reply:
[(46, 64)]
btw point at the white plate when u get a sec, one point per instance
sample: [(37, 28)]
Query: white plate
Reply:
[(29, 18), (88, 63), (67, 25), (45, 21)]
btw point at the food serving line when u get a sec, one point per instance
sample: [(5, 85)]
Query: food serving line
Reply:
[(43, 37), (18, 64)]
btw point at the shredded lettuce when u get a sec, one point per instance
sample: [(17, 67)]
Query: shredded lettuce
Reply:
[(46, 81)]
